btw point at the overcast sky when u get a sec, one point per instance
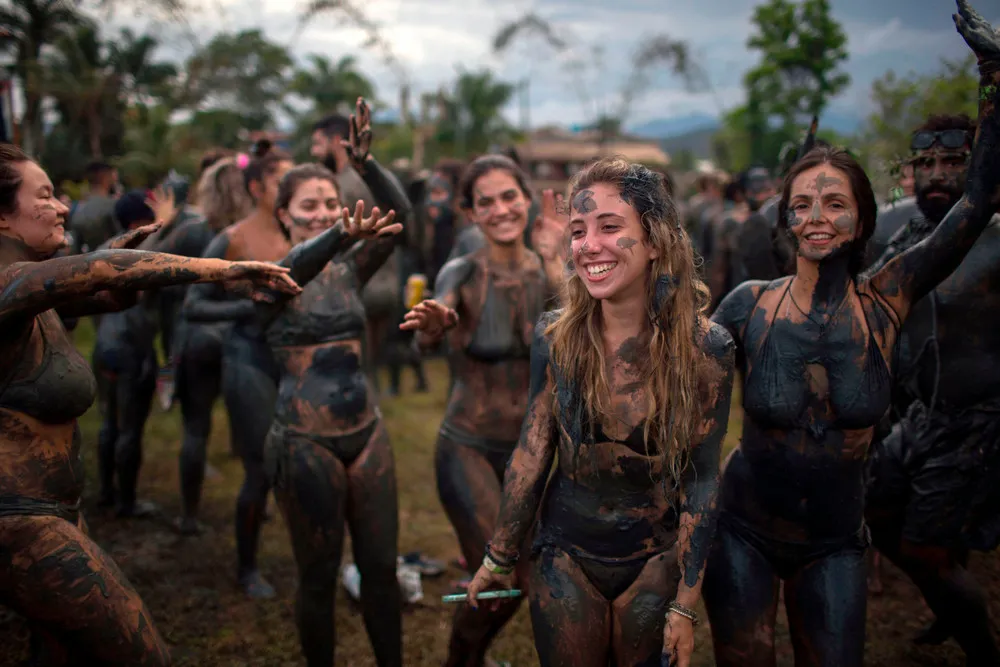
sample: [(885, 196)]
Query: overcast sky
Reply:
[(431, 38)]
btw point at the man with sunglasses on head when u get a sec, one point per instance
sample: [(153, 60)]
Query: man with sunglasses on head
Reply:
[(934, 485)]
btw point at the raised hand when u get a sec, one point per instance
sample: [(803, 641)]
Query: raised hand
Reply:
[(163, 203), (981, 37), (359, 141), (549, 231), (430, 318), (373, 226), (131, 239)]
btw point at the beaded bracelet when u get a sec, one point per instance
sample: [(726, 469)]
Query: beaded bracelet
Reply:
[(680, 610)]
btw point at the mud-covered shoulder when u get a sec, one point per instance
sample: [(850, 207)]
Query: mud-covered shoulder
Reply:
[(455, 273), (734, 310), (540, 352), (718, 344)]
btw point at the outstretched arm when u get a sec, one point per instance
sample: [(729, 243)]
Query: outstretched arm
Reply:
[(210, 302), (914, 273), (30, 288), (432, 318)]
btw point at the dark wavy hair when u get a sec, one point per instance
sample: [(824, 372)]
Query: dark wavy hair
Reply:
[(484, 165), (10, 176), (264, 160), (861, 188)]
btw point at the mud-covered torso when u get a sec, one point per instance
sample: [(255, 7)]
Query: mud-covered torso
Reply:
[(45, 385), (608, 498), (317, 341), (498, 307), (812, 395), (949, 347)]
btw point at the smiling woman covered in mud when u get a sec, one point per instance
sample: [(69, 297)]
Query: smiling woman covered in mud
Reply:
[(814, 348), (630, 384), (487, 303), (50, 571)]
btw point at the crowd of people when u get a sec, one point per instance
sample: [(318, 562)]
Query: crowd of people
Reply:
[(593, 342)]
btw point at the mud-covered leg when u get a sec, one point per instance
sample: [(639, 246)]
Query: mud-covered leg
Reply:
[(59, 579), (373, 516), (470, 492), (826, 603), (200, 387), (251, 419), (136, 389), (741, 597), (639, 614), (312, 495), (570, 618)]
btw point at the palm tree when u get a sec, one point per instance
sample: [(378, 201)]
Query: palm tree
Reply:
[(331, 86), (26, 27), (142, 78), (472, 121), (84, 83)]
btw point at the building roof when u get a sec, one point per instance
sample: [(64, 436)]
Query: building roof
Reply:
[(561, 146)]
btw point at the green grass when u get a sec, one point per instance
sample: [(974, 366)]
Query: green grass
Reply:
[(188, 583)]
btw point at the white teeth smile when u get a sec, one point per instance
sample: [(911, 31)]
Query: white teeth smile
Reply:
[(598, 269), (819, 236)]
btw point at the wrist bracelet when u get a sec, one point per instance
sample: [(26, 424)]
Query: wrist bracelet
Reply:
[(680, 610), (495, 567), (509, 561)]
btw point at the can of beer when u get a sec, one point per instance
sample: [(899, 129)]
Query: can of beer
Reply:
[(415, 287)]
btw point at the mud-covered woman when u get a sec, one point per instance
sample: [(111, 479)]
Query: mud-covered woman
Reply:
[(249, 372), (487, 303), (53, 574), (198, 346), (328, 452), (630, 386), (815, 348)]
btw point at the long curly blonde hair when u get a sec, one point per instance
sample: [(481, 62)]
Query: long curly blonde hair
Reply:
[(222, 194), (677, 375)]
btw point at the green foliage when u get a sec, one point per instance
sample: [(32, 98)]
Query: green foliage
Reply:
[(902, 103), (801, 48), (471, 122), (332, 87)]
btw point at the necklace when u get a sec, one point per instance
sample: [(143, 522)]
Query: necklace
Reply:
[(820, 325)]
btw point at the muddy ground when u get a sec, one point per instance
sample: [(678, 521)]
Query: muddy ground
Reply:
[(188, 582)]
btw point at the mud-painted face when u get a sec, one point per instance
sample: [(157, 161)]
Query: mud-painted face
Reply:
[(499, 207), (315, 207), (822, 212), (939, 180), (610, 249), (40, 219)]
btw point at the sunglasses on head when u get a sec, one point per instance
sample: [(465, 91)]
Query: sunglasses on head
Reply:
[(947, 138)]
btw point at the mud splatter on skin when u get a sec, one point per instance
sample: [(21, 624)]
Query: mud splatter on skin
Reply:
[(607, 500), (846, 224), (822, 181), (626, 243), (819, 418), (583, 201), (324, 409), (490, 352)]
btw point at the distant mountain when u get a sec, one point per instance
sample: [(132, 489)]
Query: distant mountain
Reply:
[(661, 128)]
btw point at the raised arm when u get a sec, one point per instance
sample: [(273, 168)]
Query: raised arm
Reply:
[(734, 313), (917, 271), (528, 467), (34, 287), (699, 491), (549, 238)]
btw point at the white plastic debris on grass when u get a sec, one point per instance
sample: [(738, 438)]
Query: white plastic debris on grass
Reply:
[(407, 576)]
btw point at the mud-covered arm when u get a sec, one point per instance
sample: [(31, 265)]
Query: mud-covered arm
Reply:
[(734, 312), (529, 465), (105, 301), (369, 255), (30, 288), (210, 302), (920, 269), (447, 292), (700, 481)]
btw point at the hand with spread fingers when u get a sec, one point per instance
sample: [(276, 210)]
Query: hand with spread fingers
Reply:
[(981, 37), (359, 141), (360, 227), (430, 318), (256, 279), (549, 231)]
